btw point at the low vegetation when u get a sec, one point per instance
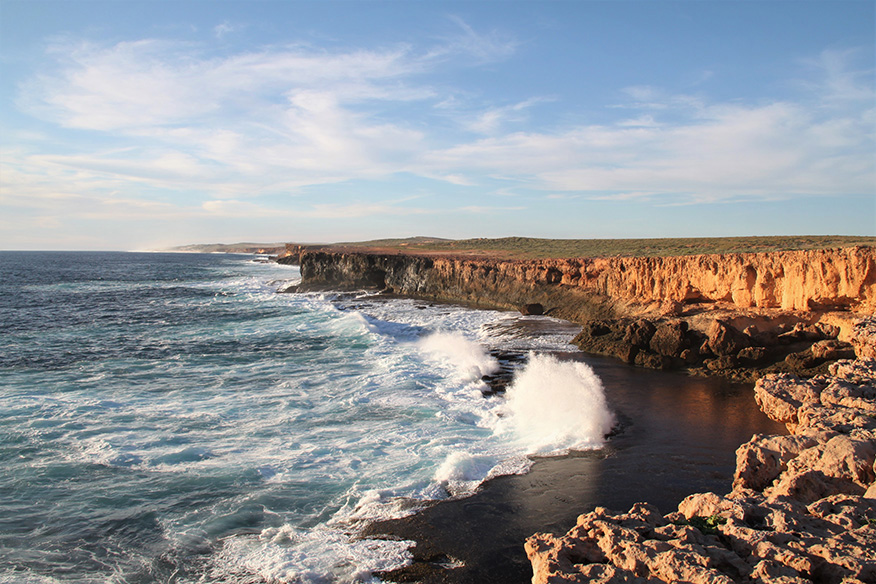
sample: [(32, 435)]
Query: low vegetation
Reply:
[(532, 248)]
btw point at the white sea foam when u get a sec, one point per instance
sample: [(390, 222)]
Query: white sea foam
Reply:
[(468, 357), (555, 405), (462, 472), (295, 556), (26, 577), (313, 411)]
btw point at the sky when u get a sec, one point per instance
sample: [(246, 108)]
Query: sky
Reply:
[(131, 125)]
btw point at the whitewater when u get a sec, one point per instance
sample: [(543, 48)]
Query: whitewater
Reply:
[(173, 418)]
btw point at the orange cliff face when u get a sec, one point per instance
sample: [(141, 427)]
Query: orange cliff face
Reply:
[(842, 279), (821, 280), (739, 315)]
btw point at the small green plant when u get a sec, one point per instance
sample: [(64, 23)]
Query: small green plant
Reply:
[(708, 525)]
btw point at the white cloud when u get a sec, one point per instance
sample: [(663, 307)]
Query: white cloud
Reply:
[(838, 83), (237, 126), (708, 152), (171, 126), (481, 47), (149, 83), (220, 30), (493, 119)]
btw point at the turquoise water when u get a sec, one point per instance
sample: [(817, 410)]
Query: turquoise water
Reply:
[(172, 418)]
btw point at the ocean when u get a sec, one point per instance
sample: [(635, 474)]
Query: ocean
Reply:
[(173, 418)]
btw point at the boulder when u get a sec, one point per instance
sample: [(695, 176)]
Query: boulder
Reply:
[(863, 338), (533, 309), (763, 458), (639, 333), (752, 355), (670, 339), (624, 351), (832, 349), (653, 361), (722, 363), (780, 396), (724, 339), (801, 360), (597, 328)]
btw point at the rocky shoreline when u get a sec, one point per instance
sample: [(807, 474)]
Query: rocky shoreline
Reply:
[(676, 431), (737, 315), (777, 344), (802, 508)]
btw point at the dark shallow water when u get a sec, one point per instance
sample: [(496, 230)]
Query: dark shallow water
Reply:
[(678, 436)]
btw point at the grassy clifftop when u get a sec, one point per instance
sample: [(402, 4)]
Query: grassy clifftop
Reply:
[(532, 248)]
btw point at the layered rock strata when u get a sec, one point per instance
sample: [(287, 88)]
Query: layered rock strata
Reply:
[(740, 315), (839, 279), (802, 507)]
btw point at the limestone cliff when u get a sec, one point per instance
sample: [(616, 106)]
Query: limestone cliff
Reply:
[(739, 315), (838, 279)]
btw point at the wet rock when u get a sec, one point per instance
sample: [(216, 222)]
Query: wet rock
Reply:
[(752, 355), (653, 361), (597, 328), (498, 382), (688, 357), (533, 309), (801, 360), (831, 350), (721, 363)]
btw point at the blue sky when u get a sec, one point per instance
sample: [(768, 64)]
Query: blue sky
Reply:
[(141, 125)]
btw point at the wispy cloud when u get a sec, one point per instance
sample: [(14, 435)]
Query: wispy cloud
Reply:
[(495, 118), (481, 47), (837, 82), (220, 30), (196, 134), (684, 148)]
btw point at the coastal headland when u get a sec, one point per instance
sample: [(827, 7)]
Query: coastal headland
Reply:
[(802, 506)]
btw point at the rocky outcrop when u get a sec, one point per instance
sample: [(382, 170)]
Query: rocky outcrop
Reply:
[(802, 507), (717, 346)]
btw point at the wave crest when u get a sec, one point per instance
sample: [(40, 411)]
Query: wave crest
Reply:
[(555, 406)]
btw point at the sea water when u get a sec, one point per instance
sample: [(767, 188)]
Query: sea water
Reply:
[(173, 418)]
